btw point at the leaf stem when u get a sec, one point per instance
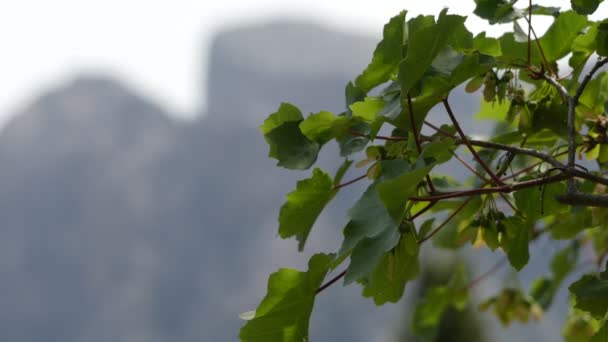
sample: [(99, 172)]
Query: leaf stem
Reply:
[(454, 213), (330, 282), (349, 182)]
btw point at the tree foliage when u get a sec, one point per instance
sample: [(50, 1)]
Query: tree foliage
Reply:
[(526, 182)]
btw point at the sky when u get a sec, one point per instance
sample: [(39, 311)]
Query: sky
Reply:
[(159, 48)]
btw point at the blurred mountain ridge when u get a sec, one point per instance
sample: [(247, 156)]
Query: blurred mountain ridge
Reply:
[(122, 224)]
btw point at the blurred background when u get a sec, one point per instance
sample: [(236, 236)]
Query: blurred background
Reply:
[(136, 199)]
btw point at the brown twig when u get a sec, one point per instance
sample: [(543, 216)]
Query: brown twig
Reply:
[(507, 188), (486, 274), (468, 144), (416, 139), (454, 213), (349, 182), (331, 282)]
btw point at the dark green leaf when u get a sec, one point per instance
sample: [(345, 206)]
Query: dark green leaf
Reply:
[(496, 11), (304, 205), (395, 269), (591, 294), (423, 46), (291, 148), (283, 315), (386, 56), (394, 192), (602, 38), (585, 7), (517, 241)]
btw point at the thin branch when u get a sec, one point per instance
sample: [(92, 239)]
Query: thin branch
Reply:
[(529, 30), (423, 210), (600, 63), (415, 132), (560, 88), (540, 48), (466, 142), (519, 150), (486, 274), (439, 130), (469, 167), (349, 182), (380, 137), (331, 282), (507, 188), (513, 207), (454, 213), (583, 199)]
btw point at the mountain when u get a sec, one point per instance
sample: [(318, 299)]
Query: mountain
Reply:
[(121, 224)]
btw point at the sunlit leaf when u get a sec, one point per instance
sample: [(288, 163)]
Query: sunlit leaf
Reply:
[(283, 315)]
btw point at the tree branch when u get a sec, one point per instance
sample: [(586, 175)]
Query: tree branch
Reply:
[(466, 142)]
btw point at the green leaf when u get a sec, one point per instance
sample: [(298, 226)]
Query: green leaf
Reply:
[(564, 261), (371, 230), (368, 109), (304, 205), (602, 334), (386, 56), (538, 202), (591, 294), (283, 315), (602, 38), (394, 192), (350, 143), (395, 269), (286, 113), (287, 143), (585, 7), (517, 244), (512, 304), (376, 217), (495, 11), (595, 96), (291, 148), (493, 110), (556, 42), (583, 46), (423, 46), (436, 301), (488, 46), (323, 126)]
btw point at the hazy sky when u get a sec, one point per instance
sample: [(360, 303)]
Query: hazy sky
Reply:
[(159, 47)]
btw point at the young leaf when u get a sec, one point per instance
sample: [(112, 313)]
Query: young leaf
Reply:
[(283, 315), (368, 109), (323, 126)]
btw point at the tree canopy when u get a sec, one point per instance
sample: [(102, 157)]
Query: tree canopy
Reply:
[(548, 95)]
